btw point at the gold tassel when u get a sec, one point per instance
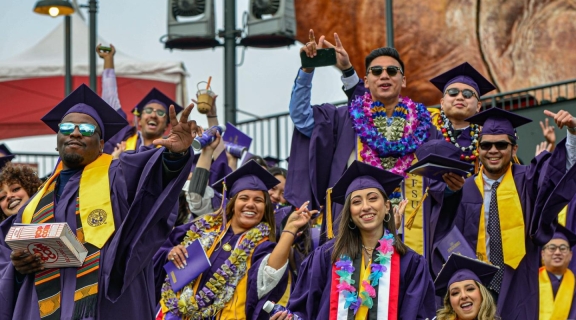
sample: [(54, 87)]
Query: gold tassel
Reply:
[(412, 216), (328, 213)]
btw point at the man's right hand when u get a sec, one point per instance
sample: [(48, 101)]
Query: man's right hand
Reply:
[(108, 56), (342, 58), (311, 47), (26, 263)]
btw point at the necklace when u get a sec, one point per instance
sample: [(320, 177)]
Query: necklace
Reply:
[(366, 291), (219, 289), (469, 153), (391, 145)]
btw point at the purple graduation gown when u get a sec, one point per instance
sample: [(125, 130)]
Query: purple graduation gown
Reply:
[(318, 161), (253, 304), (144, 212), (310, 298), (571, 225), (541, 185), (555, 286)]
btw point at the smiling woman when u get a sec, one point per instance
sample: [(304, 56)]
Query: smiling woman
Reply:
[(17, 184)]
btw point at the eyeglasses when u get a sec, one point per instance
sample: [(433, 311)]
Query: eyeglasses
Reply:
[(390, 70), (86, 129), (500, 145), (159, 112), (466, 93), (552, 248)]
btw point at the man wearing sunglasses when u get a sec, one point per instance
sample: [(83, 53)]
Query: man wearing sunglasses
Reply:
[(508, 211), (328, 138), (556, 280), (151, 112), (121, 210)]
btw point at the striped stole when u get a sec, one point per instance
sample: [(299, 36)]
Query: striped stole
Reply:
[(47, 282)]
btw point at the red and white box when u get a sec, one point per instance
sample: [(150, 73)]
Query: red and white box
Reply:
[(57, 244)]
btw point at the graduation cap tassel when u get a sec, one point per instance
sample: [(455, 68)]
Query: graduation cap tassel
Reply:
[(412, 216), (223, 204), (328, 213), (516, 160)]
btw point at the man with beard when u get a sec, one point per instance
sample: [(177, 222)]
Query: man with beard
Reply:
[(151, 112), (121, 210), (501, 212)]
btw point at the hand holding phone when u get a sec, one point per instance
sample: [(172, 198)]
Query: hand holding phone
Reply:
[(323, 58)]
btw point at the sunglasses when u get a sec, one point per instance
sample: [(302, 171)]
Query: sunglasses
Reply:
[(500, 145), (160, 113), (390, 70), (86, 129), (466, 93)]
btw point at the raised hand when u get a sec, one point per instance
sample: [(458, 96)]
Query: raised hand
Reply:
[(182, 132), (118, 149), (299, 218), (311, 47), (562, 118), (105, 54), (548, 131), (399, 213), (541, 147), (342, 58)]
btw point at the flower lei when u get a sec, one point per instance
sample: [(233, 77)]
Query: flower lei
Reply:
[(391, 146), (345, 269), (448, 133), (219, 289)]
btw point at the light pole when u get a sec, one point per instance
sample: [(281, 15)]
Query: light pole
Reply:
[(230, 34), (56, 8), (389, 24), (93, 9)]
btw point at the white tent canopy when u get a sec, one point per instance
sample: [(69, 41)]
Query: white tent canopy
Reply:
[(46, 59)]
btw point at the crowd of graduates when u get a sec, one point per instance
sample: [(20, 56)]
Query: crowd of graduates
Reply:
[(388, 210)]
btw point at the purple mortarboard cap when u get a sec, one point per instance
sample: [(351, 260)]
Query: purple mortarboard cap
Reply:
[(465, 74), (250, 176), (5, 155), (272, 161), (156, 96), (460, 268), (565, 234), (496, 121), (84, 100), (360, 176), (440, 147)]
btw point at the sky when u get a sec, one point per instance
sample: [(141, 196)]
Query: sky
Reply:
[(264, 80)]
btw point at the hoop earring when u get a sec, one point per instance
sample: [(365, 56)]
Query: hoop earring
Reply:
[(349, 227), (387, 215)]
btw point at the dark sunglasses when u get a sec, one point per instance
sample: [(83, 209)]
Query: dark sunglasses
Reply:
[(500, 145), (466, 93), (390, 70), (160, 113), (86, 129)]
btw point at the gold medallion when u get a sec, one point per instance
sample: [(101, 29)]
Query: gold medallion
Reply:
[(227, 247)]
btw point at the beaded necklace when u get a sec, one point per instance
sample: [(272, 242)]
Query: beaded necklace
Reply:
[(469, 153)]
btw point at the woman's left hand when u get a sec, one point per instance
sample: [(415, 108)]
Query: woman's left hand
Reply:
[(299, 218), (399, 213)]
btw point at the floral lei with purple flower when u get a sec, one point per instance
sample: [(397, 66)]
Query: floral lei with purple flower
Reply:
[(219, 289), (345, 270), (387, 146)]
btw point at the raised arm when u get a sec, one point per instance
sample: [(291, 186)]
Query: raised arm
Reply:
[(109, 86)]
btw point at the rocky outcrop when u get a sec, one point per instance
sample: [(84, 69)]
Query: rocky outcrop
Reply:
[(514, 43)]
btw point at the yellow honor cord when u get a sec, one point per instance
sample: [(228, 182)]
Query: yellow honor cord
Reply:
[(328, 213), (512, 228), (559, 308)]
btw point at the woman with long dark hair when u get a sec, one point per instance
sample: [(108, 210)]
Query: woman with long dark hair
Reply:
[(366, 272)]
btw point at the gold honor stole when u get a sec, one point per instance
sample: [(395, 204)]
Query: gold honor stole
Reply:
[(95, 204), (132, 141), (413, 192), (511, 226), (562, 216), (559, 308)]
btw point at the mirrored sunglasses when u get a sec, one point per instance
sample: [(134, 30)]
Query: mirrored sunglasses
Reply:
[(86, 129)]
